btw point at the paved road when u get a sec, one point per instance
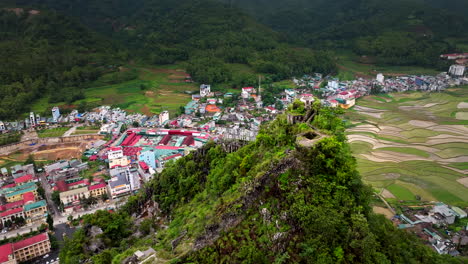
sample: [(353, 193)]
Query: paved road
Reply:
[(58, 220), (69, 132), (48, 193)]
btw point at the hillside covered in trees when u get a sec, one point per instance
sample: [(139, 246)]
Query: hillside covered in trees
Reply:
[(395, 32), (57, 53), (46, 54), (274, 200)]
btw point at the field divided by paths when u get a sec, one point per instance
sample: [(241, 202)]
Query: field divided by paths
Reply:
[(411, 145)]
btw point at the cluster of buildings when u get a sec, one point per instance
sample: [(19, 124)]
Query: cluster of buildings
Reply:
[(20, 203), (25, 250), (343, 93), (65, 177), (431, 222)]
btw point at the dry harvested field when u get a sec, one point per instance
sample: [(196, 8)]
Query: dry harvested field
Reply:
[(420, 137)]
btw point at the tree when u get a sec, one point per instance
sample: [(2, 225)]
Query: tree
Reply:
[(30, 160), (41, 191), (56, 199), (135, 124), (104, 197), (50, 222)]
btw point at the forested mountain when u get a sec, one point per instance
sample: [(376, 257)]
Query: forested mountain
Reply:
[(44, 53), (273, 200), (59, 55), (397, 32)]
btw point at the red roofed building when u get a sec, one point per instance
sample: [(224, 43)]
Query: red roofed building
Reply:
[(12, 205), (8, 215), (172, 157), (9, 186), (271, 109), (24, 179), (143, 165), (32, 247), (61, 186), (29, 197), (6, 254), (454, 56)]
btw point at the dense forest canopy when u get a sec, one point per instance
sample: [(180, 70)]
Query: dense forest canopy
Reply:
[(67, 55), (396, 32), (47, 54)]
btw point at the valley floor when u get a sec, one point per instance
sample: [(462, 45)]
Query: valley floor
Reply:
[(413, 145)]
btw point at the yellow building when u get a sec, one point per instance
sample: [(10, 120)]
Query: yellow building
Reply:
[(122, 162), (31, 247), (98, 189), (73, 196), (18, 195), (36, 211)]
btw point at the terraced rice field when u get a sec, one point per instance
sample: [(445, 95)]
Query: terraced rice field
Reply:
[(413, 144)]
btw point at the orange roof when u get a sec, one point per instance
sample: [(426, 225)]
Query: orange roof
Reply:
[(212, 108)]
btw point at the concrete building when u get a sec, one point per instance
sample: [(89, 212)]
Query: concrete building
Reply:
[(55, 114), (457, 70), (148, 157), (119, 186), (56, 166), (124, 181), (72, 197), (18, 195), (97, 190), (32, 247), (445, 211), (2, 126), (115, 153), (163, 117), (22, 170), (35, 212), (32, 119), (119, 162), (380, 78), (205, 90)]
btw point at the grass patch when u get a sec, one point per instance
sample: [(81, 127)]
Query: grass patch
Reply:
[(83, 132), (459, 165), (401, 192), (143, 90), (411, 151), (52, 132)]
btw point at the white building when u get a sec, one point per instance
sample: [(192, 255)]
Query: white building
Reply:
[(163, 117), (115, 153), (2, 126), (247, 91), (307, 99), (32, 119), (205, 90), (55, 114), (445, 211), (457, 70), (380, 78)]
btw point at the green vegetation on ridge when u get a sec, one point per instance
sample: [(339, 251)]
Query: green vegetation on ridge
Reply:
[(271, 201)]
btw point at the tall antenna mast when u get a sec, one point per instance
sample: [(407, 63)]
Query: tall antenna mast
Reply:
[(259, 84)]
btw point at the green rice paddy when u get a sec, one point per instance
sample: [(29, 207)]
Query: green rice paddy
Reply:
[(422, 148)]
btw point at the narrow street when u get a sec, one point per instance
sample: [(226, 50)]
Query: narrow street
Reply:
[(69, 131), (48, 194)]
